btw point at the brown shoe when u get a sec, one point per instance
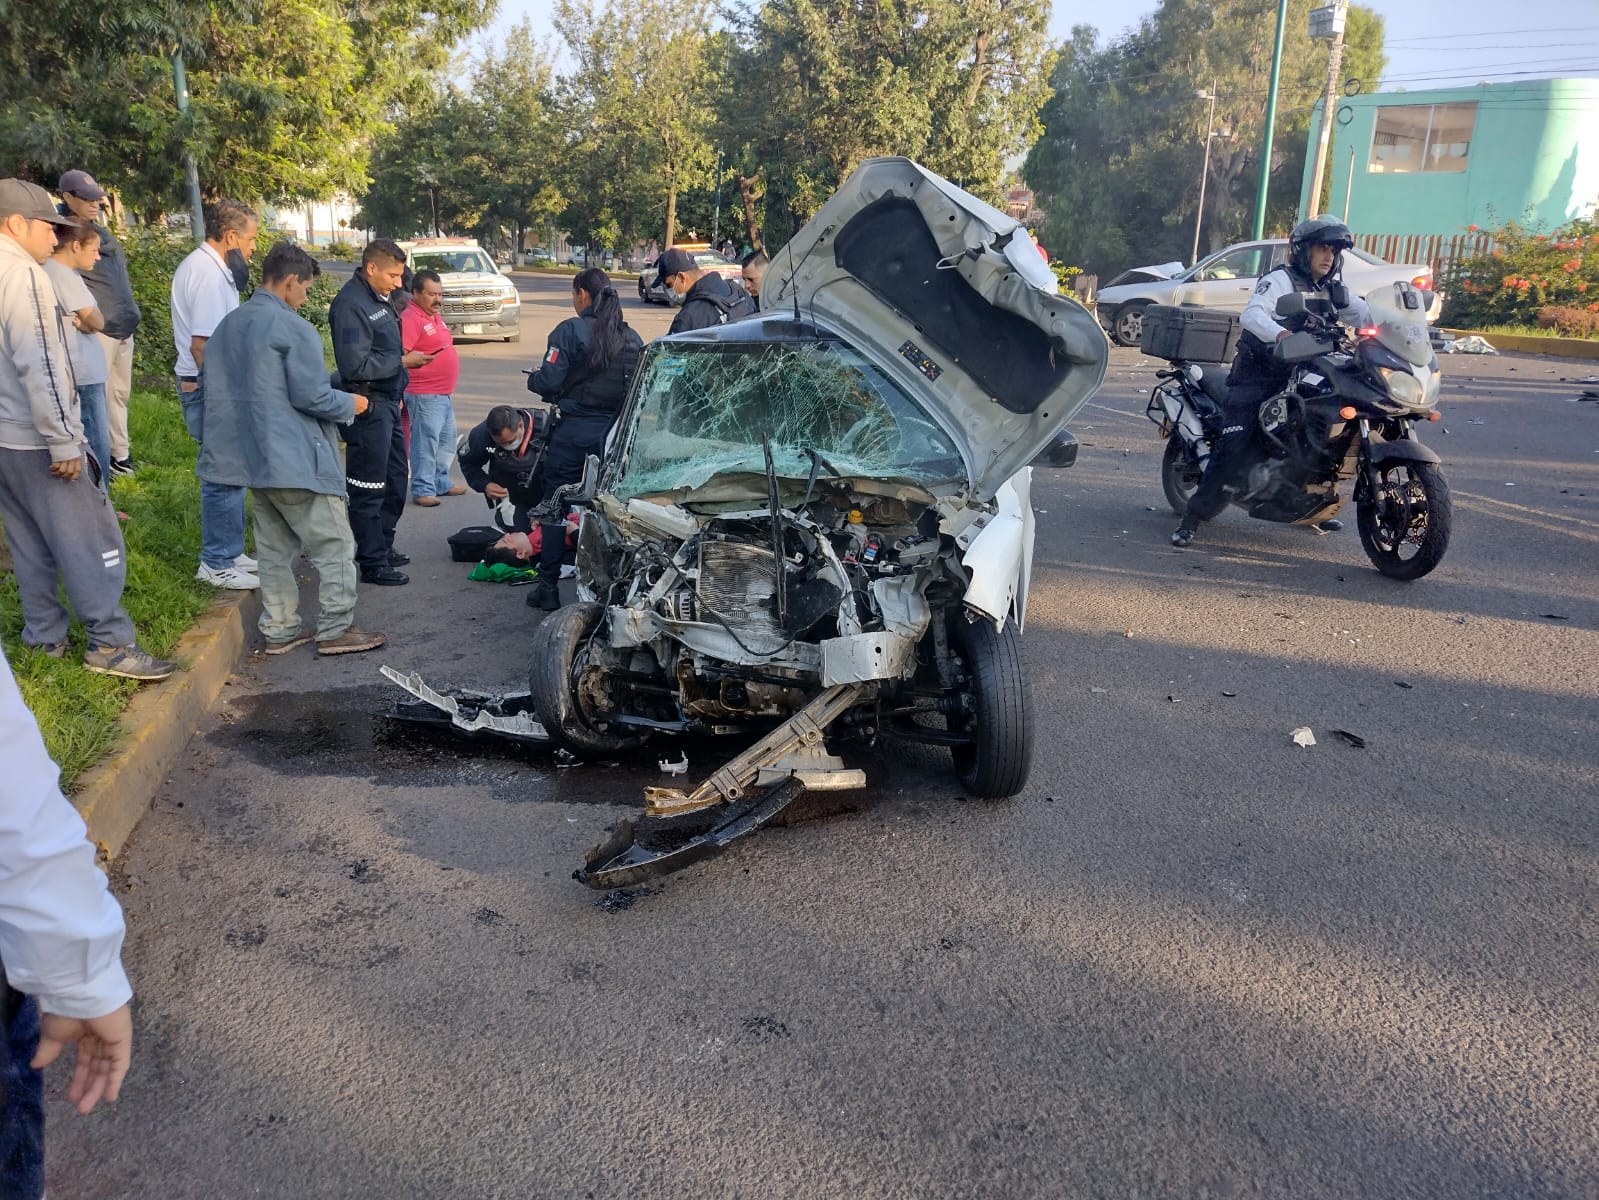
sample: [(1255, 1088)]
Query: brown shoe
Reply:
[(458, 490), (351, 641), (426, 501)]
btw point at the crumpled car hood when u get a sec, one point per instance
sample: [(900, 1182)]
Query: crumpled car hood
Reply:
[(952, 297)]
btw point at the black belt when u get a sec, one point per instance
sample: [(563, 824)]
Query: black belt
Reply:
[(188, 379)]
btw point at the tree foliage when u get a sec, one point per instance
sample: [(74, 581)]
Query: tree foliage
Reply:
[(285, 95), (1118, 166)]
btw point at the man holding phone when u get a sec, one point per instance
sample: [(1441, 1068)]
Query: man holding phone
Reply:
[(372, 360), (429, 390)]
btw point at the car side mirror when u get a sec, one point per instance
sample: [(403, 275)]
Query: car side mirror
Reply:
[(1339, 295), (1291, 305)]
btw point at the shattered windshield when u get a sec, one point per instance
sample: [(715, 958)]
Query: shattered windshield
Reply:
[(703, 409)]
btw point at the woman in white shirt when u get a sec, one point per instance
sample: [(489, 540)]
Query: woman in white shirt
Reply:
[(78, 249)]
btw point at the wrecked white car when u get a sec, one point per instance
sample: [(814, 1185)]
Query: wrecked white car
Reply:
[(816, 522)]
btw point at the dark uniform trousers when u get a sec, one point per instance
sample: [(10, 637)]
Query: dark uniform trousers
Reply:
[(1250, 384), (574, 439), (377, 471)]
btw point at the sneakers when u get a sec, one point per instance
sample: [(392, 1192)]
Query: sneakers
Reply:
[(1184, 535), (245, 563), (294, 643), (384, 576), (228, 577), (458, 490), (546, 595), (126, 662), (351, 641), (426, 501), (397, 559), (52, 649), (122, 466)]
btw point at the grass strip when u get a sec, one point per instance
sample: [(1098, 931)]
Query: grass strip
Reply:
[(78, 711)]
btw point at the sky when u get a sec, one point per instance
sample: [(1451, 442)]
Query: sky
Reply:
[(1431, 43)]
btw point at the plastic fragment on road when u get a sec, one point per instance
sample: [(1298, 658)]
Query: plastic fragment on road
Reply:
[(508, 715), (673, 768), (1303, 737), (1352, 739), (1469, 345)]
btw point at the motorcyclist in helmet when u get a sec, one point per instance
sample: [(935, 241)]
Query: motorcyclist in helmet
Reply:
[(1315, 261)]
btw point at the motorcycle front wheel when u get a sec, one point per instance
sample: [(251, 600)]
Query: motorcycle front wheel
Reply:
[(1179, 474), (1405, 526)]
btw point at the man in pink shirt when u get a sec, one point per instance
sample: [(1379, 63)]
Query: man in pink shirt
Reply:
[(428, 391)]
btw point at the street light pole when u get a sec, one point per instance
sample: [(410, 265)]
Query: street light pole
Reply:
[(1204, 174), (1326, 23), (180, 84), (1271, 120)]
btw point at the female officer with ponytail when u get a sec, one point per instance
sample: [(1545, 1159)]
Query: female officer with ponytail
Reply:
[(584, 377)]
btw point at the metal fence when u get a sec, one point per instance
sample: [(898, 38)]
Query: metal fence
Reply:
[(1440, 252)]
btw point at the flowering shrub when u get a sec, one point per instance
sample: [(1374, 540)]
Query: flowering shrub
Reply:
[(1525, 274)]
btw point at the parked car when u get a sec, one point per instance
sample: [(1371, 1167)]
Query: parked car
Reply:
[(823, 524), (651, 291), (1227, 279), (538, 257), (479, 301)]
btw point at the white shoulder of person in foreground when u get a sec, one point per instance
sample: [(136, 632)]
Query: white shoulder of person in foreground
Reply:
[(60, 928)]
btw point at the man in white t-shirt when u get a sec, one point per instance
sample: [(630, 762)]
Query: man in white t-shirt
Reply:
[(204, 290)]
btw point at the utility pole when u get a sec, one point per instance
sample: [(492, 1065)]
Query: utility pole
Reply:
[(1271, 120), (180, 84), (1204, 174), (1327, 24)]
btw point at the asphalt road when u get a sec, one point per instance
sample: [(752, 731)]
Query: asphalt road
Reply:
[(1190, 960)]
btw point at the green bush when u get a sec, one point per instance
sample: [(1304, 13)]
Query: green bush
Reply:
[(1524, 273), (153, 258)]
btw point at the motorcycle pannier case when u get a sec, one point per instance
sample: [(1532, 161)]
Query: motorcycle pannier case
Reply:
[(1205, 335)]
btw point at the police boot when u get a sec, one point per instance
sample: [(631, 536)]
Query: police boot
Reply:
[(1185, 533), (546, 594)]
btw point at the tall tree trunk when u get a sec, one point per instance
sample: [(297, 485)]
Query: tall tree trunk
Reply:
[(979, 68), (748, 193), (671, 215)]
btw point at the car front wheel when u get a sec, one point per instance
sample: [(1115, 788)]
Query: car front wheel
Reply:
[(995, 713), (1128, 328), (565, 684)]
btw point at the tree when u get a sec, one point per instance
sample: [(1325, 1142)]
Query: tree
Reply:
[(1118, 166), (639, 109)]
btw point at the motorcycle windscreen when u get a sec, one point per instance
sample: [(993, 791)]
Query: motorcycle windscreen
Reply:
[(1400, 318)]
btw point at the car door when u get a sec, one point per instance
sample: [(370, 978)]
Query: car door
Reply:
[(1228, 280)]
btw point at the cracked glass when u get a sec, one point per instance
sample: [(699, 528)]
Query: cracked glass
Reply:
[(703, 409)]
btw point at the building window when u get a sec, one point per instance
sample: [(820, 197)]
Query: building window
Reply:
[(1411, 138)]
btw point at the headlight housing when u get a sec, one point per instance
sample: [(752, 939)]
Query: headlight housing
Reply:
[(1404, 387)]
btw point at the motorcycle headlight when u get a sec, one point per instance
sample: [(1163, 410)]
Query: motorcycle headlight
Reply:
[(1404, 387)]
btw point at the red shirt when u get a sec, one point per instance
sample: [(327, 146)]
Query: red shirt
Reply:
[(418, 331)]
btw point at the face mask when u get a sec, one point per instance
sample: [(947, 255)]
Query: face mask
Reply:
[(240, 269)]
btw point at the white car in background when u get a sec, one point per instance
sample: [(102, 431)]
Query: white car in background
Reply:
[(479, 301), (1227, 279), (652, 291)]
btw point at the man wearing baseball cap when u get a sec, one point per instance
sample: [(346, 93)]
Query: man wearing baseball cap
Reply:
[(112, 290), (708, 299), (61, 527)]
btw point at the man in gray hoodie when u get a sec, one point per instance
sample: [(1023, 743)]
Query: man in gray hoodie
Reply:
[(269, 417), (61, 527)]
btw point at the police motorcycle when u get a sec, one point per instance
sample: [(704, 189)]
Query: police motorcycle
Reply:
[(1349, 411)]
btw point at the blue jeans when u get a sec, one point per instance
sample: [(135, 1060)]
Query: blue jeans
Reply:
[(96, 423), (432, 443), (21, 1099), (221, 504)]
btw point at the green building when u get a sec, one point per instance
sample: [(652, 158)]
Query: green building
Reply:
[(1435, 163)]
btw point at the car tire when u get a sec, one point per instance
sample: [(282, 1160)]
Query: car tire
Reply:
[(1128, 327), (997, 759), (554, 661)]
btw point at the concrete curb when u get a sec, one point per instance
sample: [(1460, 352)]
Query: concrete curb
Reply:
[(160, 720), (1559, 347)]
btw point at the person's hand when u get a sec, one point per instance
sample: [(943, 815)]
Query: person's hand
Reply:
[(69, 470), (361, 404), (105, 1048), (495, 492), (1285, 334), (416, 358), (77, 323)]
